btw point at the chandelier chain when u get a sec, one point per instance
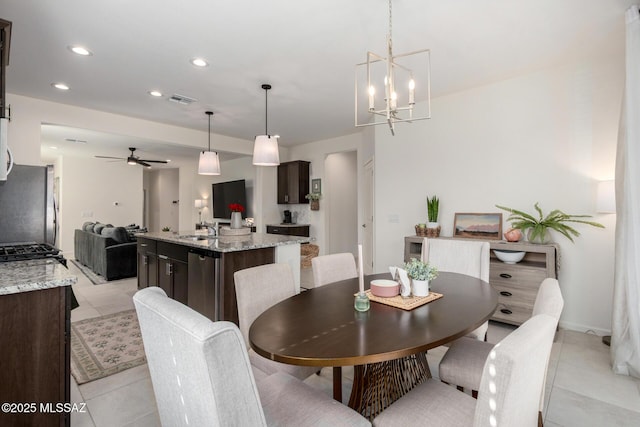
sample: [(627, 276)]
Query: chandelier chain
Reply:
[(390, 23)]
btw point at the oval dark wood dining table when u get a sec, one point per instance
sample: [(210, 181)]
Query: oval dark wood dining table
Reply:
[(320, 327)]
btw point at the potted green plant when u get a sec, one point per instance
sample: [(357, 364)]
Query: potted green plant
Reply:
[(433, 206), (314, 199), (538, 228), (420, 273)]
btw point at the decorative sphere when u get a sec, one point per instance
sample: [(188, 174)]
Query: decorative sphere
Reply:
[(513, 235)]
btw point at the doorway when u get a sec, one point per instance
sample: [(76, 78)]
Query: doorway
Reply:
[(341, 195), (161, 194)]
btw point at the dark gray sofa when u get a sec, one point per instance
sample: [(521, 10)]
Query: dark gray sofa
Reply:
[(108, 251)]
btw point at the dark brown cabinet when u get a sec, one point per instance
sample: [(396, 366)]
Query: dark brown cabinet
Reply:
[(173, 271), (289, 230), (35, 355), (293, 182), (147, 263)]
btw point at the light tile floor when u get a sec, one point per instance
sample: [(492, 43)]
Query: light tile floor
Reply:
[(581, 389)]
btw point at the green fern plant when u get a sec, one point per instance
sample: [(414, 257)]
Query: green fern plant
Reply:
[(555, 220), (433, 205)]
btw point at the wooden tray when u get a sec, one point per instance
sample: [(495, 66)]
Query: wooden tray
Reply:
[(405, 303)]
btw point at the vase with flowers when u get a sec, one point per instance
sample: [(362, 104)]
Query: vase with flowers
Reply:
[(236, 215), (314, 200)]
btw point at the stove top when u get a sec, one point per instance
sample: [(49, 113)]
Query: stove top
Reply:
[(29, 250)]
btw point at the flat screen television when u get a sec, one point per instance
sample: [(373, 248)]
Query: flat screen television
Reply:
[(225, 193)]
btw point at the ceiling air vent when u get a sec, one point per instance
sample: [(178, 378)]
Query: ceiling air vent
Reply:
[(181, 99)]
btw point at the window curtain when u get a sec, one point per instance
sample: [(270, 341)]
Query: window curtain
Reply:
[(625, 338)]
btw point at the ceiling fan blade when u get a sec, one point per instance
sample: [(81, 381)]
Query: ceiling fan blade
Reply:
[(143, 163), (152, 161), (109, 157)]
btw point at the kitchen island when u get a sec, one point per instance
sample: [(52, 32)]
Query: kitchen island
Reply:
[(35, 299), (197, 269)]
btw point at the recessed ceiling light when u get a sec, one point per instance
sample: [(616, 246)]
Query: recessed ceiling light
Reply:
[(60, 86), (155, 93), (199, 62), (53, 148), (79, 50)]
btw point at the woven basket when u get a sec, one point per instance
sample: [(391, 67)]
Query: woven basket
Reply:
[(428, 232)]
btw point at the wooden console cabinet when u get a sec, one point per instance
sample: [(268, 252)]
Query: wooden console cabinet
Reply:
[(517, 284)]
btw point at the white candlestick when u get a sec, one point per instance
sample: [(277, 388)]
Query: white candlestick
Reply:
[(360, 270)]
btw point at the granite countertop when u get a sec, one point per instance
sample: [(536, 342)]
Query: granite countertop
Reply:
[(33, 275), (225, 243)]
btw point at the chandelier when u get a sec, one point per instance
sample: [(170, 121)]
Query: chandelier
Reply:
[(387, 86)]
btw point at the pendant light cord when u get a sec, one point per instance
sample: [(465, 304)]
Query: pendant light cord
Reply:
[(266, 110), (266, 88), (209, 113)]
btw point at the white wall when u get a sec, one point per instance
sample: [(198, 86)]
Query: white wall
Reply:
[(341, 202), (544, 137), (88, 190), (316, 153), (164, 199)]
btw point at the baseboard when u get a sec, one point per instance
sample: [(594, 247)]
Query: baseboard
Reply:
[(584, 328)]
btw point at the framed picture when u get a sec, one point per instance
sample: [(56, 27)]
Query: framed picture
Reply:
[(316, 186), (478, 226)]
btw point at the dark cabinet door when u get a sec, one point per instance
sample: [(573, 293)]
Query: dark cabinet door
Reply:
[(147, 263), (143, 270), (283, 184), (293, 182), (165, 275), (201, 295), (180, 281), (152, 269), (172, 278)]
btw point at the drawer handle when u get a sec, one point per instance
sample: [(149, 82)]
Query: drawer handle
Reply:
[(506, 311), (505, 276), (506, 294), (144, 245)]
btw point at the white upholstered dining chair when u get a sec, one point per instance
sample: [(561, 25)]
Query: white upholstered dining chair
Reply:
[(333, 268), (512, 380), (201, 374), (463, 362), (257, 289), (460, 256)]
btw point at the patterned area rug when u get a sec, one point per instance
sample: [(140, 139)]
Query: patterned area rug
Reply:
[(105, 345), (96, 279)]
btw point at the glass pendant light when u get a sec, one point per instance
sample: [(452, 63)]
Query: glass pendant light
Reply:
[(209, 163)]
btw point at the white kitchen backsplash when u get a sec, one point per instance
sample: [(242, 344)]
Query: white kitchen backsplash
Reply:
[(299, 213)]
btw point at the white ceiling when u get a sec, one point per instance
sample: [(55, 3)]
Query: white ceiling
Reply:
[(306, 49)]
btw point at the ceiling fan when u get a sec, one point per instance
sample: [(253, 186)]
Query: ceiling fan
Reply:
[(133, 159)]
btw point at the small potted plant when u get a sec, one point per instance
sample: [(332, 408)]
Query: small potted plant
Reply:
[(420, 273), (314, 199), (236, 215), (433, 206), (538, 228)]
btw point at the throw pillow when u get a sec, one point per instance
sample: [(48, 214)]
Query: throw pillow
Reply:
[(97, 228), (88, 226), (119, 234)]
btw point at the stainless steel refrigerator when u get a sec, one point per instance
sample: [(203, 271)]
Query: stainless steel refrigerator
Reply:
[(27, 206)]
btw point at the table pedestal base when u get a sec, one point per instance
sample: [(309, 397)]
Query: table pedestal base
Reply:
[(378, 385)]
